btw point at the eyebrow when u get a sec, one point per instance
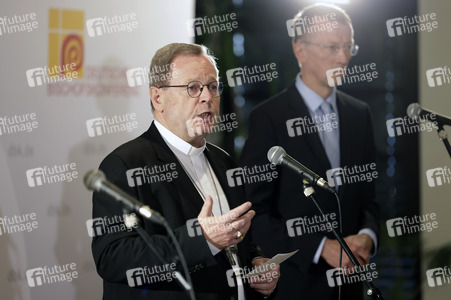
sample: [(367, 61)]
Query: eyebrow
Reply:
[(335, 43), (208, 80)]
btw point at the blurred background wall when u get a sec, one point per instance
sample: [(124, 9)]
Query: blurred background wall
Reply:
[(48, 125)]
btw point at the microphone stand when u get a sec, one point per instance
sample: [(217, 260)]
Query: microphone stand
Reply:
[(132, 221), (372, 291), (443, 136)]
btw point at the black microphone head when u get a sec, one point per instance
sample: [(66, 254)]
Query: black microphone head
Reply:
[(93, 180), (275, 155), (414, 110)]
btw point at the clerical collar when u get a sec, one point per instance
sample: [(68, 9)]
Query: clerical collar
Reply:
[(178, 143)]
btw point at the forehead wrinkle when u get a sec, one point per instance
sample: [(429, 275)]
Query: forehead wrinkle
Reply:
[(334, 35), (209, 79), (204, 69)]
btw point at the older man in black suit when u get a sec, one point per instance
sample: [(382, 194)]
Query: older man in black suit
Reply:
[(172, 169), (328, 131)]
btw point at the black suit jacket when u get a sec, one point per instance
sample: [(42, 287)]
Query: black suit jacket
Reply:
[(178, 201), (282, 199)]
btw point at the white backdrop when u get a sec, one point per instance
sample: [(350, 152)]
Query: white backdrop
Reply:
[(56, 213)]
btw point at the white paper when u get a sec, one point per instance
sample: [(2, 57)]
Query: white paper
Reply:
[(277, 259)]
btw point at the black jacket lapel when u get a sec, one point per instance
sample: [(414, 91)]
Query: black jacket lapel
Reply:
[(346, 131), (313, 141), (183, 184)]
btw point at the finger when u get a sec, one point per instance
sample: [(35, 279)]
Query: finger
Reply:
[(241, 222), (249, 215), (361, 254), (269, 277), (205, 212), (346, 262), (260, 261), (365, 259), (265, 290), (245, 227), (238, 211), (350, 266), (362, 260), (263, 287), (261, 283), (239, 234)]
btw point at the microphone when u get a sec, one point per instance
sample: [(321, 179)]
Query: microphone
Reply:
[(414, 111), (278, 156), (96, 181)]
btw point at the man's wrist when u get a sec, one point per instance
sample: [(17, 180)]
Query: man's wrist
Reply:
[(373, 237)]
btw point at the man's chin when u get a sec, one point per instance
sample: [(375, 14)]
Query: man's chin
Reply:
[(201, 130), (204, 129)]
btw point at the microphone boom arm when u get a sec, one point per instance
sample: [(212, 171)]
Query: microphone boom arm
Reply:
[(443, 136)]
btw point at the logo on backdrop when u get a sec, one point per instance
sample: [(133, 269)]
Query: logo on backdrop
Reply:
[(66, 39)]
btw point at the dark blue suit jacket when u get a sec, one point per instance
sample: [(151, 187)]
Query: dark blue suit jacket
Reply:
[(281, 200)]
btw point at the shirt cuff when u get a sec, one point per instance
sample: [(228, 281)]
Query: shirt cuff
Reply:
[(319, 251), (213, 249), (373, 236)]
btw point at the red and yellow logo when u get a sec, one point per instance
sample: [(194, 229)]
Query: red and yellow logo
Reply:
[(66, 40)]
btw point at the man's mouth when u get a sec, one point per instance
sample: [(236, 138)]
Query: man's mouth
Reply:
[(205, 115)]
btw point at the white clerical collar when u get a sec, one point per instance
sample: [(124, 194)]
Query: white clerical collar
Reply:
[(179, 144)]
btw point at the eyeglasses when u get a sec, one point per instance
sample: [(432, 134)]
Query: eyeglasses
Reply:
[(333, 50), (195, 88)]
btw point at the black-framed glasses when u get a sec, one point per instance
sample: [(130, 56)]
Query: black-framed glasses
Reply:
[(195, 88), (352, 49)]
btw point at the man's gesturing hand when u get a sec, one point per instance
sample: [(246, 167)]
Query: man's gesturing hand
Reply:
[(222, 231)]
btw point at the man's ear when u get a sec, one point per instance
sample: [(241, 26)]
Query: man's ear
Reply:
[(299, 51), (155, 97)]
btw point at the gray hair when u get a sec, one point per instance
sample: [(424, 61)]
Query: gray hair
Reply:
[(321, 10)]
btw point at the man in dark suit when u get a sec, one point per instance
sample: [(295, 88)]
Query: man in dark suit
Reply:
[(172, 169), (327, 131)]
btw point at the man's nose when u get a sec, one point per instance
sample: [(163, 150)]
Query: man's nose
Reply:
[(343, 56), (205, 95)]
